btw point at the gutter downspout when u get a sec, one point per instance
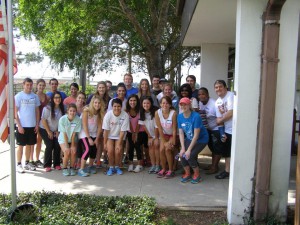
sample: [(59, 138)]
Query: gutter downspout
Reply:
[(267, 107)]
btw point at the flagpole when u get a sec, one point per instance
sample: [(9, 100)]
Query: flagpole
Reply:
[(11, 105)]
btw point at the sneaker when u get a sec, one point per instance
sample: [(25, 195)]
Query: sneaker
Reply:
[(125, 159), (169, 174), (20, 169), (47, 169), (65, 172), (118, 170), (99, 165), (57, 167), (185, 178), (152, 169), (81, 173), (110, 171), (105, 160), (38, 163), (161, 173), (157, 169), (26, 167), (91, 170), (72, 172), (130, 168), (196, 180), (222, 175), (138, 169), (31, 166)]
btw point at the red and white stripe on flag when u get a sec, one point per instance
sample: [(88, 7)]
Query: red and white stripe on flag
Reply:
[(4, 73)]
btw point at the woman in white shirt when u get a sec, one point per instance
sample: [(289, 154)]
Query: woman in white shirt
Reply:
[(115, 126)]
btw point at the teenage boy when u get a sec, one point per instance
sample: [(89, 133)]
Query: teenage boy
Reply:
[(191, 80), (27, 117), (155, 85), (54, 85)]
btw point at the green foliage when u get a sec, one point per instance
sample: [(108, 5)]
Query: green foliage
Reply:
[(100, 35), (58, 208)]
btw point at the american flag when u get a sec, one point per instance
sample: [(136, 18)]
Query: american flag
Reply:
[(4, 73)]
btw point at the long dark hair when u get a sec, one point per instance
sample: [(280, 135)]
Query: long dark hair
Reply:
[(52, 105), (188, 88), (152, 108), (137, 107)]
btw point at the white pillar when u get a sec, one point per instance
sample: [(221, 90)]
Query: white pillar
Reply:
[(245, 112), (288, 39), (214, 65)]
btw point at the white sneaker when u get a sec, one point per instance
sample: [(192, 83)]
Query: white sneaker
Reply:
[(32, 167), (20, 169), (130, 168), (138, 169)]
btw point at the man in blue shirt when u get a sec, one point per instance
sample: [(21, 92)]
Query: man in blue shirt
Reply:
[(54, 84)]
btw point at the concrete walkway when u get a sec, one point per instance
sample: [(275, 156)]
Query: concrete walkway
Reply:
[(210, 194)]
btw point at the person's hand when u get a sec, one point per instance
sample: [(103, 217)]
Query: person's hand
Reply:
[(187, 154), (134, 137), (21, 130), (50, 135), (91, 142), (182, 152), (73, 149), (150, 141), (36, 128)]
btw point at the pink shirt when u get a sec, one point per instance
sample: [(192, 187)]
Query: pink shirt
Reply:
[(134, 122)]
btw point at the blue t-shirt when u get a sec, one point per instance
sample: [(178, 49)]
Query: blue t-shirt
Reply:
[(189, 124), (129, 92), (63, 95)]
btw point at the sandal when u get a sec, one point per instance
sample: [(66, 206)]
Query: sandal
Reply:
[(161, 173), (222, 175), (169, 174)]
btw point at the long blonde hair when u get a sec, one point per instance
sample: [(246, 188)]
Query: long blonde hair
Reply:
[(91, 110)]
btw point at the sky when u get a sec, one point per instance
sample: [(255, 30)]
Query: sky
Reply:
[(44, 70)]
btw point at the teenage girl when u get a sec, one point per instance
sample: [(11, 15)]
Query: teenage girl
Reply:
[(135, 136), (44, 99), (49, 131), (90, 134), (68, 126), (115, 126), (193, 139), (166, 122), (74, 88), (121, 94), (80, 102), (147, 120)]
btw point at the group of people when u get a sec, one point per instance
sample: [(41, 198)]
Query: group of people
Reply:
[(154, 123)]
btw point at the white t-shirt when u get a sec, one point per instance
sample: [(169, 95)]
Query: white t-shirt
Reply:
[(109, 108), (210, 110), (167, 124), (225, 104), (52, 123), (116, 124), (27, 104), (92, 127), (149, 124)]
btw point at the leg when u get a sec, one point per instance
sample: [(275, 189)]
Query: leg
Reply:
[(67, 153), (49, 148), (56, 152), (19, 154), (38, 146), (111, 152), (163, 159)]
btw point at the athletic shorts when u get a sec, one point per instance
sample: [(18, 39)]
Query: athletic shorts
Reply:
[(28, 138), (215, 144)]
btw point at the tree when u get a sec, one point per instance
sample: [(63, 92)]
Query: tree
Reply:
[(95, 34)]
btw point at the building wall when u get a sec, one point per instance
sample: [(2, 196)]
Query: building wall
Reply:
[(288, 39)]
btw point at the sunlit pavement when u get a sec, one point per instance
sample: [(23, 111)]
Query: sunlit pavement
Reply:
[(209, 194)]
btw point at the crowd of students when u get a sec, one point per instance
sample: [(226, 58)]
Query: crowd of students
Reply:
[(156, 124)]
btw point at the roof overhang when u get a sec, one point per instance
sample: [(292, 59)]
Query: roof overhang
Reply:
[(207, 21)]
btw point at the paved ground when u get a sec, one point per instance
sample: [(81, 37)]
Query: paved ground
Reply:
[(210, 194)]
